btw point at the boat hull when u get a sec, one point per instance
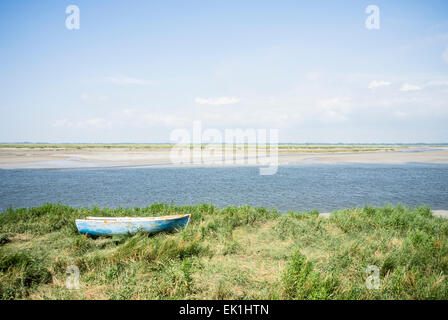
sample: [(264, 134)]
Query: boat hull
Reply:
[(110, 226)]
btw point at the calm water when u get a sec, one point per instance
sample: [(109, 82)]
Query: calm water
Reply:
[(294, 187)]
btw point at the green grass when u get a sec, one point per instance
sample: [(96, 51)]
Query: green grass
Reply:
[(231, 253), (281, 147), (84, 146)]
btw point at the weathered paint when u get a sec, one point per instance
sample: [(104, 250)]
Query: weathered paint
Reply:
[(108, 226)]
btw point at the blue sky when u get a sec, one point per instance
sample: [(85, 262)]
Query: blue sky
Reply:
[(136, 70)]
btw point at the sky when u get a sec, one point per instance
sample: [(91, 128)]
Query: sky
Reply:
[(137, 70)]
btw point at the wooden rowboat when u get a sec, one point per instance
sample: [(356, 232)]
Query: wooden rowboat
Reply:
[(122, 225)]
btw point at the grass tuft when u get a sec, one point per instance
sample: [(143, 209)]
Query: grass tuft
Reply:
[(300, 281)]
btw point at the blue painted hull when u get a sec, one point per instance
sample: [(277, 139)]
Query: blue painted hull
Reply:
[(97, 226)]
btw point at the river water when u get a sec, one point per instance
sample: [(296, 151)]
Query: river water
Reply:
[(298, 187)]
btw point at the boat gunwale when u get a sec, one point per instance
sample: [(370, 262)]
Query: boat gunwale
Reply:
[(134, 219)]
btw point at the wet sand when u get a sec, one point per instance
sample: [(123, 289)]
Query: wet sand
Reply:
[(128, 157), (437, 155)]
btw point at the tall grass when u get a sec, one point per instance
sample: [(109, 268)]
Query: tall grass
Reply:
[(300, 281), (21, 271), (230, 253)]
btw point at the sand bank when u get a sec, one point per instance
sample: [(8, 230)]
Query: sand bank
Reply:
[(128, 157)]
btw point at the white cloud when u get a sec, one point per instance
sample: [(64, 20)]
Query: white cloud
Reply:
[(217, 101), (445, 55), (437, 83), (376, 84), (335, 109), (328, 109), (98, 123), (128, 112), (141, 118), (93, 98), (163, 119), (409, 87), (123, 80), (126, 118), (400, 114), (62, 123), (314, 75)]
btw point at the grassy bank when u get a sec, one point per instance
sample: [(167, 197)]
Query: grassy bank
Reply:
[(232, 253), (281, 147)]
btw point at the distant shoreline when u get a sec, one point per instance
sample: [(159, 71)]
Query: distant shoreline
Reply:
[(131, 156), (167, 144)]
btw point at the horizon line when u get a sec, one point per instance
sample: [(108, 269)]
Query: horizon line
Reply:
[(171, 143)]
